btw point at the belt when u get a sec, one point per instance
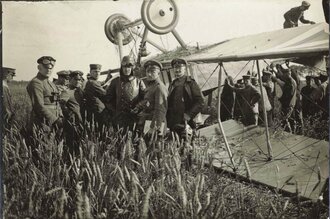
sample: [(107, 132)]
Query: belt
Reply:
[(55, 107)]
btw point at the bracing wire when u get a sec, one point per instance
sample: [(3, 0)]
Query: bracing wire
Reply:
[(210, 75)]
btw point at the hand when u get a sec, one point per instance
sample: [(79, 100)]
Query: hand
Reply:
[(109, 76), (186, 117)]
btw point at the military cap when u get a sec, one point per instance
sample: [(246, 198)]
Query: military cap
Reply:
[(6, 71), (63, 73), (46, 60), (75, 73), (305, 4), (95, 66), (127, 60), (152, 63), (246, 77), (178, 61)]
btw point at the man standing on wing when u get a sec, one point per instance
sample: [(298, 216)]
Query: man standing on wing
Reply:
[(294, 14)]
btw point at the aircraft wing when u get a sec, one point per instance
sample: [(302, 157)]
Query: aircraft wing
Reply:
[(304, 41)]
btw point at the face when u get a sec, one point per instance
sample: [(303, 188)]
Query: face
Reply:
[(95, 73), (45, 70), (152, 73), (64, 80), (76, 81), (127, 69), (247, 81), (179, 70)]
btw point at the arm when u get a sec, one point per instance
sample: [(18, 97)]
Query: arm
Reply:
[(159, 114), (197, 100), (110, 97), (304, 21), (99, 91), (37, 99)]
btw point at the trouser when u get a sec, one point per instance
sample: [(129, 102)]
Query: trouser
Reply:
[(287, 24), (287, 120)]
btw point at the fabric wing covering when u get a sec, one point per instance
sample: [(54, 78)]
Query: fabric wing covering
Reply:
[(309, 40)]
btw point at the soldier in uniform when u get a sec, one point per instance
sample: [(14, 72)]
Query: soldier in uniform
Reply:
[(238, 99), (250, 98), (62, 80), (289, 97), (44, 96), (294, 14), (8, 109), (71, 101), (94, 95), (154, 104), (123, 94), (227, 102), (185, 99), (308, 105)]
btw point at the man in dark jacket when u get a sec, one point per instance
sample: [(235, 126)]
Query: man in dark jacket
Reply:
[(46, 111), (308, 105), (8, 109), (123, 94), (185, 99), (94, 95), (294, 14), (71, 100)]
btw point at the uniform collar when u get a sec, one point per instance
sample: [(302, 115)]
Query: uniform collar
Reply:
[(40, 76)]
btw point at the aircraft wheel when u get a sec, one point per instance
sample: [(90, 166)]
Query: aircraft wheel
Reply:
[(115, 24), (160, 16)]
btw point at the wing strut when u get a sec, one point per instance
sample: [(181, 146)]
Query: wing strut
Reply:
[(269, 146), (219, 120)]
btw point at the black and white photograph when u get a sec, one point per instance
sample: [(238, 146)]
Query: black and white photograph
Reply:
[(165, 109)]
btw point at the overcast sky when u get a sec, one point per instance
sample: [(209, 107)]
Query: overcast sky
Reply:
[(73, 32)]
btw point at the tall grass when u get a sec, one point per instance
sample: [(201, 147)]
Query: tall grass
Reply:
[(40, 180)]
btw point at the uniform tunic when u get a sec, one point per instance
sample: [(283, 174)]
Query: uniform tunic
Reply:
[(293, 15), (44, 98), (123, 94), (185, 97), (155, 105), (71, 100), (94, 94), (308, 106)]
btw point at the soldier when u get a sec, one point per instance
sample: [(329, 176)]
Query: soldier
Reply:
[(71, 100), (238, 99), (94, 94), (294, 14), (154, 104), (62, 81), (44, 96), (185, 99), (227, 102), (250, 98), (123, 94), (288, 99), (8, 109), (308, 106)]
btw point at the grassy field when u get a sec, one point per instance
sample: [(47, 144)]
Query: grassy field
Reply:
[(41, 181)]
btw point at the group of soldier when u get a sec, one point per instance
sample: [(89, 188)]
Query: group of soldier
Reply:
[(243, 100), (129, 103)]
